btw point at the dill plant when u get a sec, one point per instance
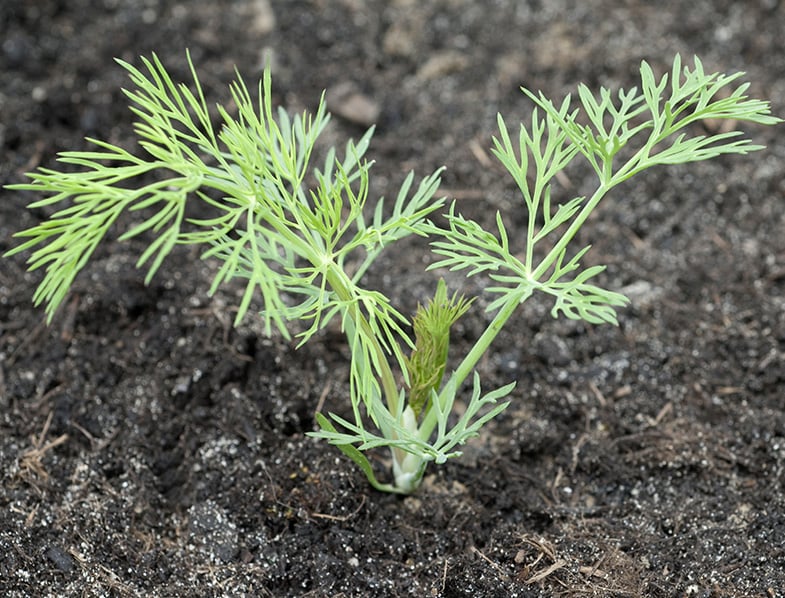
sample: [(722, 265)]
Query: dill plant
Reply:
[(301, 237)]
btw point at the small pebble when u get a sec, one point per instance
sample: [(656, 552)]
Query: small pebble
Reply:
[(348, 102), (60, 558)]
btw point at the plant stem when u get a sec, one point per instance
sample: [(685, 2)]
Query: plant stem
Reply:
[(407, 468), (335, 278), (573, 229)]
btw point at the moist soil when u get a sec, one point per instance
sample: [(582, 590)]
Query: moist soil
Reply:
[(150, 448)]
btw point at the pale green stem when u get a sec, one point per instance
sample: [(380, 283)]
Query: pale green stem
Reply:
[(335, 278), (573, 229)]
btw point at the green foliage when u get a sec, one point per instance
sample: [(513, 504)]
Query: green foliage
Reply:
[(301, 237), (428, 359)]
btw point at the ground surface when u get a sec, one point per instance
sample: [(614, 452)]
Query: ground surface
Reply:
[(149, 449)]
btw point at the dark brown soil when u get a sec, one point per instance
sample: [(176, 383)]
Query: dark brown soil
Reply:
[(150, 449)]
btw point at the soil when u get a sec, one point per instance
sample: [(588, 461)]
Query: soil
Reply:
[(148, 448)]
